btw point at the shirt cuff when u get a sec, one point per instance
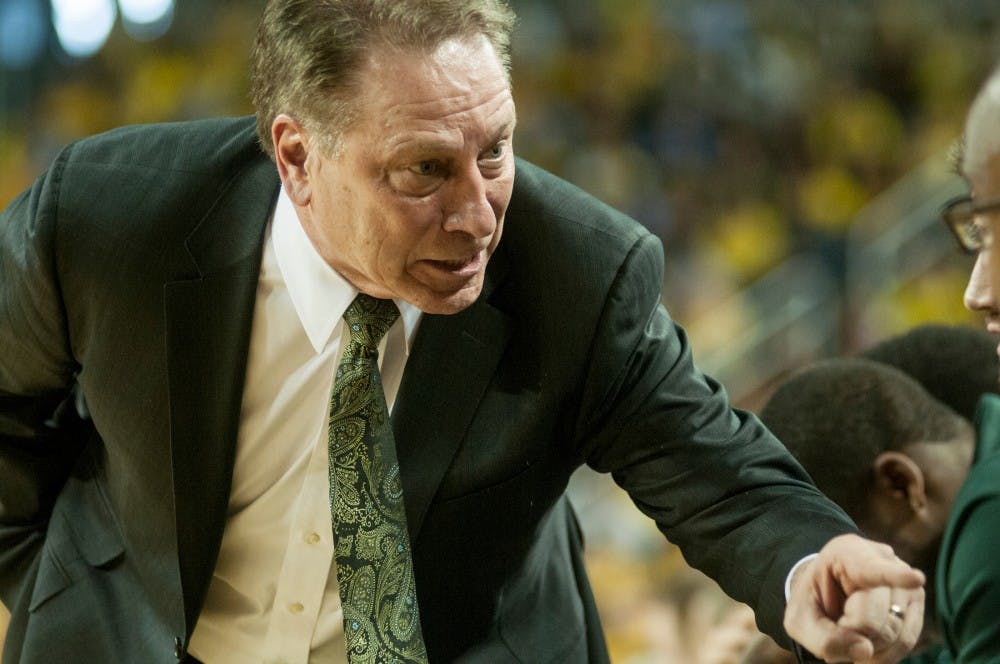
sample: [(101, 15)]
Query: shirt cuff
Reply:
[(795, 567)]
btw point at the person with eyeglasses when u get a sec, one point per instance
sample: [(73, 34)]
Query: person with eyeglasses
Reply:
[(967, 584), (973, 218), (964, 218)]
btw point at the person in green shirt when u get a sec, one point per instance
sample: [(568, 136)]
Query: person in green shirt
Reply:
[(910, 470)]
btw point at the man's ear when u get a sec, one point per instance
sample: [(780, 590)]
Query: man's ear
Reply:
[(291, 152), (899, 481)]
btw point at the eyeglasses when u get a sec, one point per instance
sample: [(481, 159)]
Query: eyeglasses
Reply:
[(963, 216)]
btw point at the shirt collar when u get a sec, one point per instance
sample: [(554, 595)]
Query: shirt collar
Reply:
[(987, 427), (318, 293)]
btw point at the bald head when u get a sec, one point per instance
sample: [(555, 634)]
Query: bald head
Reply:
[(982, 130)]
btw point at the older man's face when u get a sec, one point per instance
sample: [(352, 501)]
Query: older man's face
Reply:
[(412, 204)]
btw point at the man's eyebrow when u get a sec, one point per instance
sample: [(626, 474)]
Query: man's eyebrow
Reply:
[(425, 145), (506, 129), (438, 145)]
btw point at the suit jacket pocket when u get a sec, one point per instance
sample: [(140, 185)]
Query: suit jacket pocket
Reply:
[(81, 532)]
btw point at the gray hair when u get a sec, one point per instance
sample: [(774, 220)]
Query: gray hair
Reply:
[(308, 53)]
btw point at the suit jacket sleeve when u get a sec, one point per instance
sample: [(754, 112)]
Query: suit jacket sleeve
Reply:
[(38, 416), (717, 483)]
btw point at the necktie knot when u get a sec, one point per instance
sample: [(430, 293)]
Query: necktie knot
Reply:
[(368, 319)]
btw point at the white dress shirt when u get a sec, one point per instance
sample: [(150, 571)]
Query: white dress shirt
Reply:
[(274, 596)]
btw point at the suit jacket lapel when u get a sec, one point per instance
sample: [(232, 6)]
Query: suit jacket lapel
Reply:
[(452, 362), (208, 322)]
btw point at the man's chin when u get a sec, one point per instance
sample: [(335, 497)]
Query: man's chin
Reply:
[(431, 302)]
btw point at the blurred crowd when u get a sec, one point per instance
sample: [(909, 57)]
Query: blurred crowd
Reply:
[(742, 133)]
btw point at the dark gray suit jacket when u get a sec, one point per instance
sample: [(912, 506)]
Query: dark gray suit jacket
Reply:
[(127, 281)]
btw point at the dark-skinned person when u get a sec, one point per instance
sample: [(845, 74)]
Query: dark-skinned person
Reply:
[(912, 473)]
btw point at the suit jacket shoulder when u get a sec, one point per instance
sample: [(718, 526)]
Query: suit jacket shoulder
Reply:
[(561, 227), (149, 181)]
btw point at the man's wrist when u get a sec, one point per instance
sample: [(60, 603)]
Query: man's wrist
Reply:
[(791, 573)]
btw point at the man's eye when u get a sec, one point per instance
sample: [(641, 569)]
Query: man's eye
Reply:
[(426, 168), (495, 152)]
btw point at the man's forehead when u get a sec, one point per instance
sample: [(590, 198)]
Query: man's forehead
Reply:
[(476, 52), (981, 159), (456, 75)]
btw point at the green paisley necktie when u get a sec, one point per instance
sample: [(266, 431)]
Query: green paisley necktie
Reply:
[(374, 565)]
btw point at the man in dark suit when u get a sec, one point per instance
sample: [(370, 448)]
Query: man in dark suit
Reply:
[(170, 318)]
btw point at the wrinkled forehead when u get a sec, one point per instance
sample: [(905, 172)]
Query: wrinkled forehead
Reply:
[(981, 161)]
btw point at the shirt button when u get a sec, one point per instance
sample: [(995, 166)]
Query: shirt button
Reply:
[(296, 608), (313, 538)]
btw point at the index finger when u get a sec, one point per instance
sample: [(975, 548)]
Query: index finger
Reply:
[(858, 563)]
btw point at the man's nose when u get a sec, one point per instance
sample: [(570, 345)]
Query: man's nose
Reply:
[(470, 210), (979, 294)]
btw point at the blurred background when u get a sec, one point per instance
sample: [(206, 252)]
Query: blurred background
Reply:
[(791, 154)]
